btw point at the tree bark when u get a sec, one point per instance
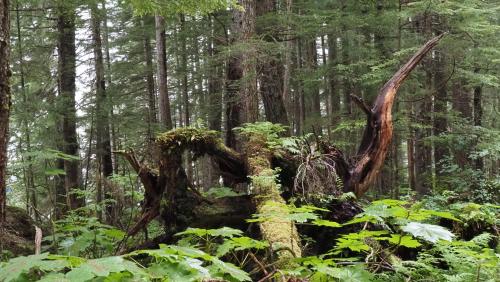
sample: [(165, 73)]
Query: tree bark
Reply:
[(214, 107), (478, 119), (161, 74), (271, 75), (150, 84), (29, 178), (423, 151), (67, 85), (5, 103), (334, 99), (242, 101), (312, 116), (103, 148), (461, 104), (440, 111)]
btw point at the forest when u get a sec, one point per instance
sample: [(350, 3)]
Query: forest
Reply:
[(250, 140)]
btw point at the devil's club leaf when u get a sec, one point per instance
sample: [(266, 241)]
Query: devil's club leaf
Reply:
[(429, 232)]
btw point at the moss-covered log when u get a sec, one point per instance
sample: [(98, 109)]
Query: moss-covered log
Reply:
[(278, 229)]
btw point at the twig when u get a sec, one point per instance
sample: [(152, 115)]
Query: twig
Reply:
[(254, 258), (361, 104), (267, 276)]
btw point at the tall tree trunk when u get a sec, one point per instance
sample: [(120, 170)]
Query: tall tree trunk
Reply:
[(299, 99), (242, 102), (184, 70), (478, 119), (334, 99), (150, 83), (185, 90), (411, 149), (161, 74), (440, 111), (347, 86), (103, 148), (312, 99), (109, 82), (287, 72), (271, 73), (461, 103), (423, 153), (214, 108), (5, 103), (67, 86), (29, 177)]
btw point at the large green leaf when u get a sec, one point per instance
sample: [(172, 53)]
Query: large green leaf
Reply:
[(231, 270), (428, 232), (16, 267), (102, 268)]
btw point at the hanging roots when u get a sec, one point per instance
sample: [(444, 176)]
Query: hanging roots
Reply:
[(316, 175)]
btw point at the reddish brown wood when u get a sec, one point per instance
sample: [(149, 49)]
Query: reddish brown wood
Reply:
[(359, 172)]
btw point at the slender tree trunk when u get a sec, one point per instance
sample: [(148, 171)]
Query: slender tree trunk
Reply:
[(440, 111), (5, 103), (29, 177), (161, 61), (185, 90), (410, 143), (214, 108), (67, 87), (461, 103), (478, 119), (109, 82), (287, 97), (299, 98), (184, 70), (103, 148), (150, 84), (312, 99), (334, 99), (423, 156), (346, 81)]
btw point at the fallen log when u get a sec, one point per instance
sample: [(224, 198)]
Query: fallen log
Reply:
[(167, 191)]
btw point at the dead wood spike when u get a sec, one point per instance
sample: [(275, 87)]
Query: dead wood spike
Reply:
[(378, 130)]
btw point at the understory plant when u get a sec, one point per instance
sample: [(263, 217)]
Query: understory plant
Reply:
[(396, 241)]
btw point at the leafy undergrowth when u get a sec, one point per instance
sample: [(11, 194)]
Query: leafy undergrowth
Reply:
[(396, 241)]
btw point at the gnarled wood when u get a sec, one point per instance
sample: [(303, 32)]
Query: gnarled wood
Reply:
[(378, 131), (170, 182)]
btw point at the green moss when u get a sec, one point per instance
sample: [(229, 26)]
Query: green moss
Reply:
[(279, 230), (180, 139)]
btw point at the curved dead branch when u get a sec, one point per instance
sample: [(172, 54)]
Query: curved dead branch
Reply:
[(378, 130)]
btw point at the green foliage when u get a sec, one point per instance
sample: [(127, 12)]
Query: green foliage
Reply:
[(263, 131), (84, 236), (203, 254), (299, 215), (173, 263), (189, 7), (220, 192)]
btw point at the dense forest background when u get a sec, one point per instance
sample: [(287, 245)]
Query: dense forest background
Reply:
[(93, 83)]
